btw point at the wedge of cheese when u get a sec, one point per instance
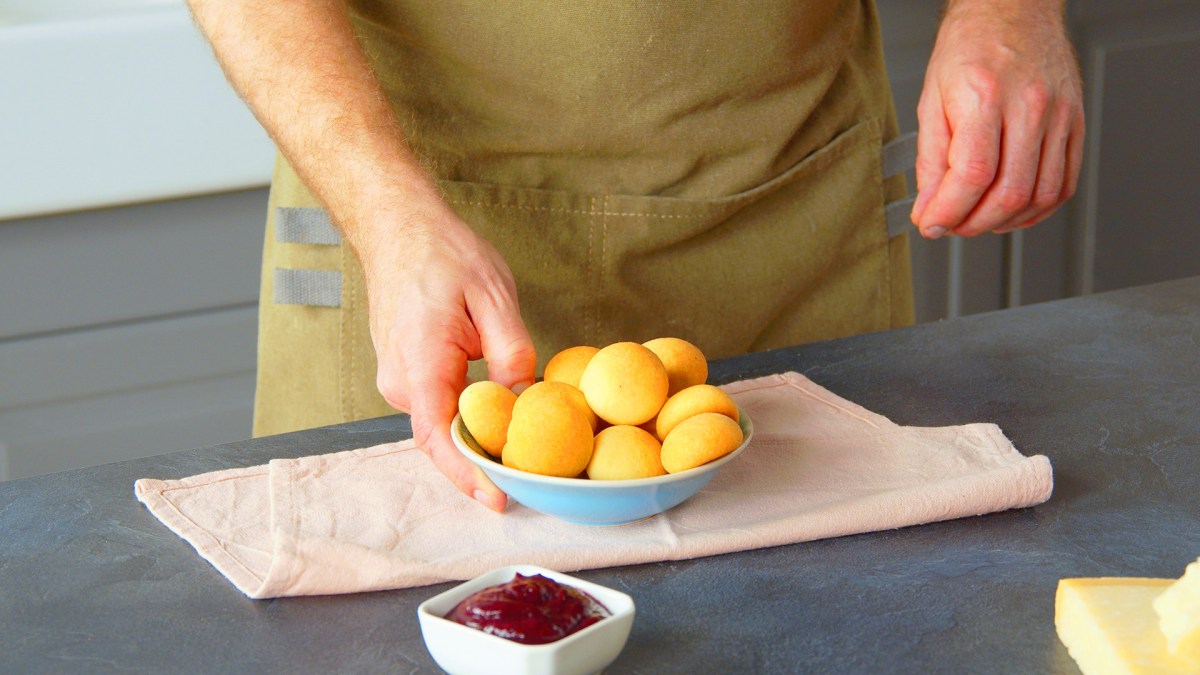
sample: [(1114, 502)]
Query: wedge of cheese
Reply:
[(1178, 610), (1109, 626)]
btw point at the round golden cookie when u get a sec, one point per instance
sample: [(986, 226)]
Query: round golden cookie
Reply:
[(698, 440), (548, 436), (560, 390), (625, 383), (692, 401), (624, 452), (685, 363), (486, 408), (567, 365)]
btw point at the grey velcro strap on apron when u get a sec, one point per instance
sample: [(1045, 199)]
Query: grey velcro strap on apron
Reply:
[(897, 214), (319, 288), (899, 155), (305, 225)]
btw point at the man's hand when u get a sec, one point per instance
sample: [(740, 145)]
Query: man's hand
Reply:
[(440, 295), (1001, 119)]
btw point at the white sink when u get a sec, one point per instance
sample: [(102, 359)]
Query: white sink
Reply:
[(106, 102)]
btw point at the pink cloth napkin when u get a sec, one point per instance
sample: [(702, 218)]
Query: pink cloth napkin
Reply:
[(383, 517)]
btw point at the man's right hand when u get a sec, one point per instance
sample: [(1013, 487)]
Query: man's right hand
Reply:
[(440, 295)]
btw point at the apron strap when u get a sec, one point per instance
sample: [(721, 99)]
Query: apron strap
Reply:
[(319, 288), (898, 215), (305, 225), (899, 155)]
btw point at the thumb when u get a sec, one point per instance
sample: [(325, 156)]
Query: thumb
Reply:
[(436, 383), (933, 147), (506, 345)]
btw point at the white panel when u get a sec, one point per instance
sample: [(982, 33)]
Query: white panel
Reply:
[(110, 108)]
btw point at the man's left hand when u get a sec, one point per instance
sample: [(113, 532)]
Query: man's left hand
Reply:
[(1001, 119)]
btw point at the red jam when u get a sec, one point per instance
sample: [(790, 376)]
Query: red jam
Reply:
[(531, 610)]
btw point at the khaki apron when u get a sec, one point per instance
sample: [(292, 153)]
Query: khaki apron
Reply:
[(709, 171)]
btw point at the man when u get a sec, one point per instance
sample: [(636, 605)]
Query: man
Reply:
[(707, 170)]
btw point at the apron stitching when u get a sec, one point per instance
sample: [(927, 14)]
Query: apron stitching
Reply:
[(603, 260), (348, 327), (590, 212), (589, 311), (821, 158), (887, 273)]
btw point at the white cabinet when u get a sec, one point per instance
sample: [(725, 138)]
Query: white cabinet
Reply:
[(127, 324), (128, 331)]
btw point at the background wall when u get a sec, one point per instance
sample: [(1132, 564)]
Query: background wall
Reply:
[(128, 329)]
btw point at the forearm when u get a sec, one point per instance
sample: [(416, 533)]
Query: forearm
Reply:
[(997, 16), (1030, 8), (303, 74)]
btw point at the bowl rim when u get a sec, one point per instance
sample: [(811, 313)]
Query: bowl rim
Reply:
[(499, 575), (460, 435)]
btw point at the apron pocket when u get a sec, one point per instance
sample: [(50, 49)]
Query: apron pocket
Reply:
[(801, 257)]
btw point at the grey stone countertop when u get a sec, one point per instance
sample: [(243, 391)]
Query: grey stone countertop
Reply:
[(1107, 386)]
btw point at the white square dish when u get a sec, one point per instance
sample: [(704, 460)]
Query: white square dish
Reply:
[(461, 650)]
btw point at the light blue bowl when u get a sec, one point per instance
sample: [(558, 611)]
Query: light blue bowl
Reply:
[(595, 502)]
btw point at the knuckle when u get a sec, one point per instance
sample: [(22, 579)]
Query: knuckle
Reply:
[(1036, 98), (926, 107), (1047, 199), (925, 166), (392, 390), (976, 173), (1013, 198), (422, 430), (521, 353), (1067, 109), (985, 84)]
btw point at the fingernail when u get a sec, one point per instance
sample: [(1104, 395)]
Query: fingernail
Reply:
[(483, 498), (935, 232)]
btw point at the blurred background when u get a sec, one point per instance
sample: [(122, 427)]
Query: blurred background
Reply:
[(133, 189)]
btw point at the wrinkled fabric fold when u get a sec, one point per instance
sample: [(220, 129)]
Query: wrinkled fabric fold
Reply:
[(383, 517)]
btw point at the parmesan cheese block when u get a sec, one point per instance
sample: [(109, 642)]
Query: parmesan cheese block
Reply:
[(1109, 626), (1178, 610)]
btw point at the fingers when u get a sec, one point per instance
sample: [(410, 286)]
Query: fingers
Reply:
[(1010, 196), (1058, 169), (933, 144), (437, 378), (1037, 169), (1053, 168), (972, 159)]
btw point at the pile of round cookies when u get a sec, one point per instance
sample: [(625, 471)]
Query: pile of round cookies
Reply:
[(625, 411)]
